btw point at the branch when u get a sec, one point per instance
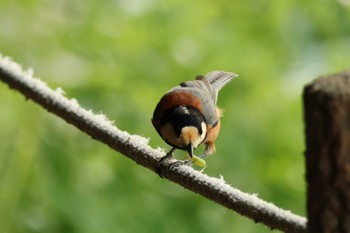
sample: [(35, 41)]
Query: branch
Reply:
[(136, 148)]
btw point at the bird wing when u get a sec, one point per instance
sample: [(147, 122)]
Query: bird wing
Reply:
[(206, 88), (202, 89)]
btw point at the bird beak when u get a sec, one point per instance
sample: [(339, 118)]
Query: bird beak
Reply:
[(190, 150)]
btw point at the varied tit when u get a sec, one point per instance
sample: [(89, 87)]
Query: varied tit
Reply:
[(187, 116)]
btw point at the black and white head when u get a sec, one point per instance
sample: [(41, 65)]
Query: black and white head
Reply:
[(184, 127)]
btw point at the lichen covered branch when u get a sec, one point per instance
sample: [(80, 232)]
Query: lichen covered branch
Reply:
[(136, 148)]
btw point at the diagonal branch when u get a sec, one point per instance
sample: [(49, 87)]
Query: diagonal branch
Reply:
[(136, 148)]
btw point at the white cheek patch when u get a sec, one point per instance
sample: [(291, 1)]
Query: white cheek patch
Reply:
[(204, 132)]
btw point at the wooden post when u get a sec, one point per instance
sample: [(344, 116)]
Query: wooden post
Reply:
[(327, 118)]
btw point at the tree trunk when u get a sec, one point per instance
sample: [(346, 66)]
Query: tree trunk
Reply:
[(327, 117)]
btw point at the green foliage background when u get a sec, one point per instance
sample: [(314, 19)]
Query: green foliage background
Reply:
[(118, 57)]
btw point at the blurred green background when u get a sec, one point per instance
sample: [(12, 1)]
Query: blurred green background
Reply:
[(119, 57)]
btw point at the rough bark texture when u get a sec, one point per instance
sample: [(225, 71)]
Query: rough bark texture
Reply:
[(327, 117)]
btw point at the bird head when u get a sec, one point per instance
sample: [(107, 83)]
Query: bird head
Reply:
[(184, 127)]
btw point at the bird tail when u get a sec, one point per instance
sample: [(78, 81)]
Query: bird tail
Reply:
[(218, 79)]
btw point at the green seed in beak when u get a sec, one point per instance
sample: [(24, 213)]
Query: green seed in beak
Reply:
[(198, 161)]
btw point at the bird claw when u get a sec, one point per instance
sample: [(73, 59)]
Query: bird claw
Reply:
[(180, 163), (190, 160), (160, 163), (171, 166)]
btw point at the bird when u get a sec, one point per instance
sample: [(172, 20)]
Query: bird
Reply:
[(187, 116)]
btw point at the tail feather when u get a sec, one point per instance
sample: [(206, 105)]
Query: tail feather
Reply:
[(218, 79)]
